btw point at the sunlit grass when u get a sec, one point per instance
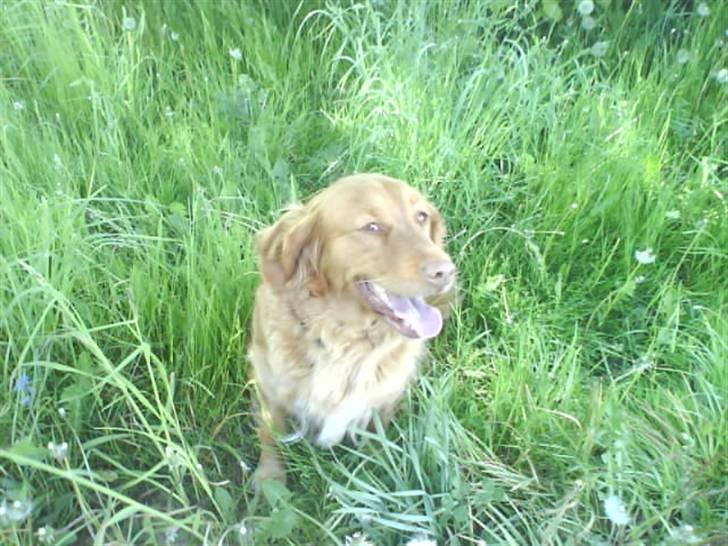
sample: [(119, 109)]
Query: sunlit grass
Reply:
[(578, 151)]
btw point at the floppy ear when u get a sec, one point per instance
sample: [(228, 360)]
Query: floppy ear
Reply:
[(290, 249), (437, 228)]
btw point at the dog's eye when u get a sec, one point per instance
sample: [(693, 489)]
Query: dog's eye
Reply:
[(373, 227), (421, 217)]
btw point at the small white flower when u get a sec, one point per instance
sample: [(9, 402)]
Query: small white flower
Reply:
[(683, 56), (574, 206), (174, 36), (58, 451), (168, 112), (615, 510), (172, 457), (588, 23), (46, 535), (584, 241), (644, 363), (15, 512), (599, 49), (646, 256), (358, 539), (19, 105), (685, 534), (672, 214), (585, 7), (129, 23), (420, 540), (639, 279), (243, 530), (170, 535), (721, 76), (236, 53), (216, 170), (703, 9)]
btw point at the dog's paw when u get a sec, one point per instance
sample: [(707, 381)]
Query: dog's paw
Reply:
[(268, 469)]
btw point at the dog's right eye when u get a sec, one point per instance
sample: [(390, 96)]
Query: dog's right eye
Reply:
[(373, 227)]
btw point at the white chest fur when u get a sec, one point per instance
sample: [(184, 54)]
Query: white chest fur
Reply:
[(349, 381)]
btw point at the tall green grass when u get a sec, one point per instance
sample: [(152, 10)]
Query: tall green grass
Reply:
[(578, 396)]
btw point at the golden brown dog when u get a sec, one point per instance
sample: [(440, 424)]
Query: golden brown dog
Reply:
[(353, 283)]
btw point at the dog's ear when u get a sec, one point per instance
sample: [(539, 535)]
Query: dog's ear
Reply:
[(290, 249), (437, 228)]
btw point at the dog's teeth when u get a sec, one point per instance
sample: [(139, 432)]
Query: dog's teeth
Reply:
[(380, 293)]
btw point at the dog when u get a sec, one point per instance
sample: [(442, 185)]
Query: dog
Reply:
[(354, 283)]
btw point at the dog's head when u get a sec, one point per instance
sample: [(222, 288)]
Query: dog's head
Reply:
[(367, 237)]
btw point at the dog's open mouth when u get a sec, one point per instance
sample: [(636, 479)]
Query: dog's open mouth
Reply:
[(412, 317)]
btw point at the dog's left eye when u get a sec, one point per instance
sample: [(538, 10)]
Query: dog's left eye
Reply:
[(421, 217)]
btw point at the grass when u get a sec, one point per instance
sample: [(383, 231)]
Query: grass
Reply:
[(578, 396)]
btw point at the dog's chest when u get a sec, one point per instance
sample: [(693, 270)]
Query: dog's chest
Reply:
[(352, 378)]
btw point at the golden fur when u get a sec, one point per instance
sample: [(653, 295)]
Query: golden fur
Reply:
[(320, 352)]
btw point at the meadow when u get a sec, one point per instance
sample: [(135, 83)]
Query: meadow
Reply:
[(579, 152)]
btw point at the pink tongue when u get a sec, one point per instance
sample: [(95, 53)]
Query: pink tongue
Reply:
[(424, 320)]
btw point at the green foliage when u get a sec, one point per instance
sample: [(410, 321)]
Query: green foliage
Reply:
[(142, 146)]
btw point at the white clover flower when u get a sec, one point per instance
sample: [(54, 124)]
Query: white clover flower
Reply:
[(574, 206), (721, 76), (683, 56), (216, 170), (599, 49), (15, 511), (58, 451), (129, 24), (236, 53), (358, 539), (646, 256), (585, 7), (615, 510), (19, 105), (672, 214), (703, 10), (588, 23), (420, 540), (46, 535), (174, 36)]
